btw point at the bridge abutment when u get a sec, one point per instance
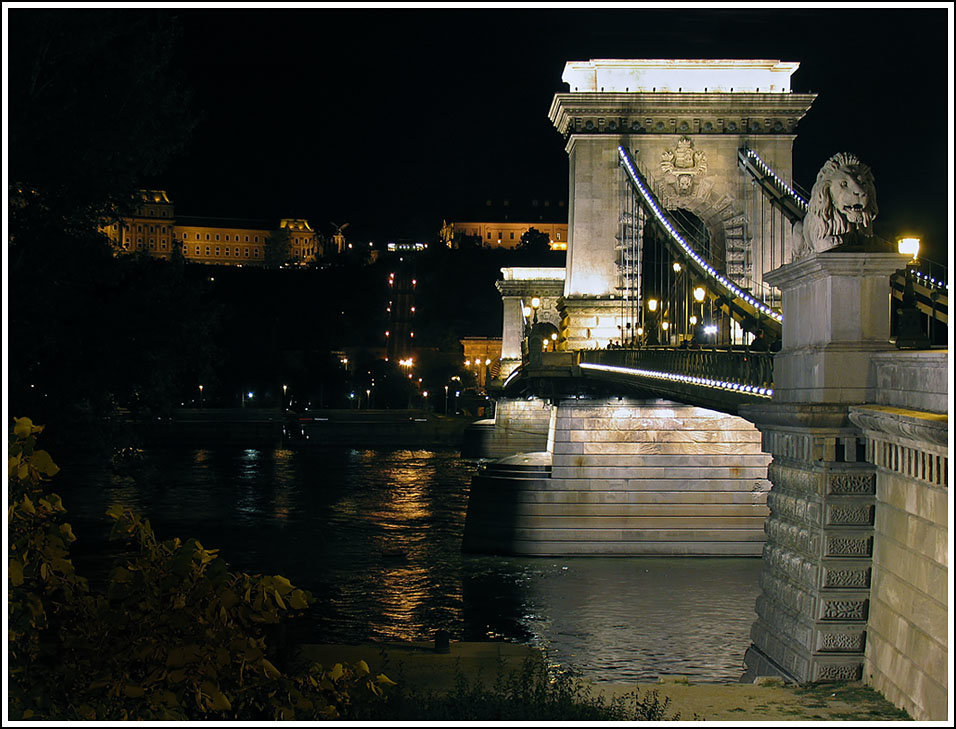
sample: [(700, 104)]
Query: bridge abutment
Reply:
[(812, 611), (853, 583), (627, 477)]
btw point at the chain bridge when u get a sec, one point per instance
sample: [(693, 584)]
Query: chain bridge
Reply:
[(729, 365)]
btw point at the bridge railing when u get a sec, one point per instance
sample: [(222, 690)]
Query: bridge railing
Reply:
[(728, 368)]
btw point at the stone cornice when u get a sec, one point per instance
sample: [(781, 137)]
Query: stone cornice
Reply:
[(529, 287), (896, 423), (797, 415), (836, 263), (642, 106)]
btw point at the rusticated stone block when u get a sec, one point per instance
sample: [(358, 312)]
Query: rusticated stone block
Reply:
[(795, 479), (792, 536)]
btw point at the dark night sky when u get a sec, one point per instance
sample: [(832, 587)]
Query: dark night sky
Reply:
[(392, 120)]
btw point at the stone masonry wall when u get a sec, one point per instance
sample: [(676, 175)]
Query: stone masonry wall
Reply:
[(649, 477)]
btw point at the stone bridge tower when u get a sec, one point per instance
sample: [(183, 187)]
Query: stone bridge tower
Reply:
[(683, 121)]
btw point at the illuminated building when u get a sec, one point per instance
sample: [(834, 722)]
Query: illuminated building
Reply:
[(502, 225), (482, 356), (155, 229)]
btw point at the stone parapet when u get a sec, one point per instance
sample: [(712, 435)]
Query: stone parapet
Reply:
[(907, 651)]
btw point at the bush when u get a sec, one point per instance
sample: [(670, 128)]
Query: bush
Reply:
[(531, 693), (174, 635)]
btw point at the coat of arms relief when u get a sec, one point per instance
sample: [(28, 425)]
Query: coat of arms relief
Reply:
[(683, 165)]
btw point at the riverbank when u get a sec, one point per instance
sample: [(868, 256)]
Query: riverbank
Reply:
[(264, 427), (418, 665)]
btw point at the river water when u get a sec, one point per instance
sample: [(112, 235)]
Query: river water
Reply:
[(375, 535)]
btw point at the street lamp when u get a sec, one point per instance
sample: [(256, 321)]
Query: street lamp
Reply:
[(535, 305), (910, 334), (446, 399), (368, 397), (200, 397), (652, 337), (908, 247), (285, 390)]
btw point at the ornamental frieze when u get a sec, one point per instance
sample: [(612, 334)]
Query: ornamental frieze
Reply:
[(854, 642), (850, 515), (843, 610), (848, 547), (847, 578), (851, 483), (604, 123), (839, 672)]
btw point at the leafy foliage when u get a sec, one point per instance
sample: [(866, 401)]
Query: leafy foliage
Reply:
[(173, 635), (530, 693), (534, 241), (278, 248)]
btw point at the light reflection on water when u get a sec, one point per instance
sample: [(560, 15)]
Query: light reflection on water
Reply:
[(375, 535)]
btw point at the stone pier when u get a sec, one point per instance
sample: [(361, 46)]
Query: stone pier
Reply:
[(627, 477)]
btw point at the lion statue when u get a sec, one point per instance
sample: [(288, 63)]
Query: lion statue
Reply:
[(842, 206)]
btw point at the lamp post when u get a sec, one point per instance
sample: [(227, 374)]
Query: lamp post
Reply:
[(535, 305), (910, 334), (652, 338), (446, 399), (200, 397), (285, 389)]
